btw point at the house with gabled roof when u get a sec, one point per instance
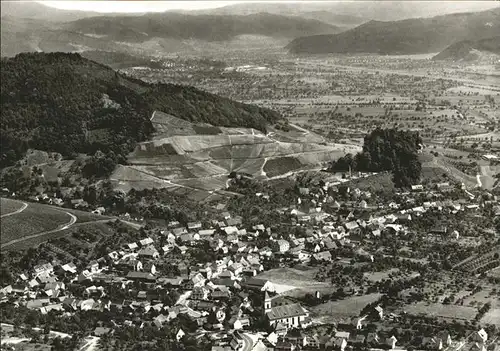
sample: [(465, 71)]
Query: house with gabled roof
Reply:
[(149, 252), (141, 276), (194, 225), (182, 249), (69, 268), (480, 336), (236, 221), (258, 284), (146, 242), (160, 320), (351, 226), (324, 256), (477, 346)]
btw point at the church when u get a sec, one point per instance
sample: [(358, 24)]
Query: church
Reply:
[(290, 315)]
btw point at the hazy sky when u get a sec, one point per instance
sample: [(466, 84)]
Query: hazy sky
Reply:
[(135, 6), (159, 6)]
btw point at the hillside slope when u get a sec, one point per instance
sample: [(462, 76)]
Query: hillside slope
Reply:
[(195, 159), (68, 104), (204, 27), (467, 49), (411, 36)]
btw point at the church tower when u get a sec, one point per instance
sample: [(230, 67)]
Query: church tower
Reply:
[(267, 303)]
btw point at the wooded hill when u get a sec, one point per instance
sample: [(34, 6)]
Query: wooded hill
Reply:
[(203, 27), (68, 104), (467, 49), (410, 36)]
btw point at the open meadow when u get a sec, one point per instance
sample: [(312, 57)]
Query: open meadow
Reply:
[(295, 282), (334, 311)]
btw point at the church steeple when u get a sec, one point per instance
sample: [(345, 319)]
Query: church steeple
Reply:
[(267, 302)]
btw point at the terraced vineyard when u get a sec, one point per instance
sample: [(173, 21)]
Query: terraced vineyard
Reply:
[(200, 157)]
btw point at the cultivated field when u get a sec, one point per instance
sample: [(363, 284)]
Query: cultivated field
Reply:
[(34, 219), (38, 223), (98, 227), (442, 311), (9, 206), (492, 317)]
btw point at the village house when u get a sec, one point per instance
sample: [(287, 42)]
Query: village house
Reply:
[(149, 252), (283, 246), (325, 256)]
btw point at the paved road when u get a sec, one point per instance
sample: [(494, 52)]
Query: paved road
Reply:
[(23, 207)]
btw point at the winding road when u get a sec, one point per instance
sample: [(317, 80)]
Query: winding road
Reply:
[(23, 207), (72, 222)]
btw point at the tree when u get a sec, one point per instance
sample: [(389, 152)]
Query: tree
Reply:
[(387, 150)]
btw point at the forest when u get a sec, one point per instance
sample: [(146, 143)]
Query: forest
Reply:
[(387, 150), (68, 104)]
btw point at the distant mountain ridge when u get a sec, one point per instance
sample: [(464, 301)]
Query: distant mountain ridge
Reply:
[(411, 36), (204, 27), (127, 33), (364, 10), (467, 49)]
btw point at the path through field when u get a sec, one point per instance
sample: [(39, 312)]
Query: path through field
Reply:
[(486, 178), (91, 344), (23, 207)]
